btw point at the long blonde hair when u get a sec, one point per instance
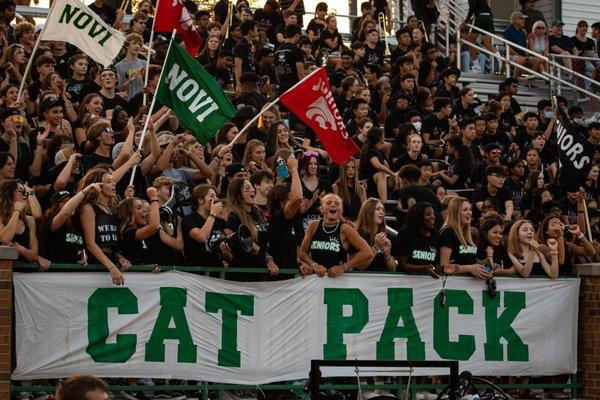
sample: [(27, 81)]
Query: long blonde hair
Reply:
[(250, 147), (463, 233), (365, 223), (514, 246)]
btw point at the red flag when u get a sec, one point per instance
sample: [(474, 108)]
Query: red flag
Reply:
[(312, 101), (172, 14)]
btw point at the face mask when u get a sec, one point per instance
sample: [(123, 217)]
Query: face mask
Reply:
[(548, 114), (417, 126), (578, 121)]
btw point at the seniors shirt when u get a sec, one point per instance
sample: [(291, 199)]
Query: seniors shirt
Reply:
[(418, 249), (461, 254)]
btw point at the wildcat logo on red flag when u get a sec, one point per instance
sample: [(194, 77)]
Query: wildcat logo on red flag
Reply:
[(172, 14), (312, 101)]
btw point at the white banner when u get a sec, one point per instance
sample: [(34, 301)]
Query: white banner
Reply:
[(73, 22), (179, 325)]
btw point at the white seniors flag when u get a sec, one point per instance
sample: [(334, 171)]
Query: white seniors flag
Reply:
[(73, 22)]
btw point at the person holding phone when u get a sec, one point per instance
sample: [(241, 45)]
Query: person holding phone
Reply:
[(205, 224), (491, 249)]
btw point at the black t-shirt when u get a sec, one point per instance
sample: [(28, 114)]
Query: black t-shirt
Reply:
[(461, 255), (268, 22), (195, 252), (222, 76), (79, 89), (507, 121), (286, 57), (435, 127), (110, 104), (500, 257), (313, 212), (64, 245), (283, 239), (500, 138), (460, 168), (463, 113), (243, 50), (325, 34), (517, 191), (91, 160), (106, 13), (136, 251), (374, 55), (569, 209), (160, 253), (241, 258), (421, 194), (418, 249), (502, 195)]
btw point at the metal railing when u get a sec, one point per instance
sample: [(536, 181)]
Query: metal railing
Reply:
[(545, 75)]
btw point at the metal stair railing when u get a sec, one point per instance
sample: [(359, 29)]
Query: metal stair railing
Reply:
[(451, 6)]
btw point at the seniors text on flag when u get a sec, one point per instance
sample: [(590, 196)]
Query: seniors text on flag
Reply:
[(193, 95), (312, 101)]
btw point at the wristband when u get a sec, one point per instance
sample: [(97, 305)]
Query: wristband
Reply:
[(312, 266), (347, 268), (212, 215), (152, 201), (554, 253)]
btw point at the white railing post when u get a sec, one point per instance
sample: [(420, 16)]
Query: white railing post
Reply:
[(448, 37), (458, 54), (507, 61)]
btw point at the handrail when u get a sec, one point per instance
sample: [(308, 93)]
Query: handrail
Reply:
[(532, 53), (574, 57)]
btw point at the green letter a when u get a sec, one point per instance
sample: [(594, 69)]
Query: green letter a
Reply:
[(172, 304), (400, 301)]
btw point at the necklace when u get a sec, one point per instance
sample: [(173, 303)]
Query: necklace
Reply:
[(334, 229)]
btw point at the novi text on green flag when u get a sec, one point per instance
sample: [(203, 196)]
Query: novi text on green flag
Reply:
[(193, 95), (73, 22)]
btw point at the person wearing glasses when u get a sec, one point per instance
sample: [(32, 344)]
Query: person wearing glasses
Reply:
[(495, 189), (12, 141), (17, 229), (537, 41), (102, 138)]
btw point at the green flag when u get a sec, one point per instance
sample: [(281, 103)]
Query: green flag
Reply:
[(193, 95)]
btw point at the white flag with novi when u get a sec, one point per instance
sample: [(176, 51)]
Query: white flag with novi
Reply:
[(73, 22)]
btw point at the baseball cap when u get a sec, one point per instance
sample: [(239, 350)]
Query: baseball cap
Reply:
[(234, 169), (517, 14), (49, 103), (7, 112), (60, 196), (160, 39), (557, 22), (62, 156), (165, 139)]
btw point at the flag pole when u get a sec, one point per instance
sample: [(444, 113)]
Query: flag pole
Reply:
[(266, 108), (149, 115), (30, 61), (587, 220), (150, 45)]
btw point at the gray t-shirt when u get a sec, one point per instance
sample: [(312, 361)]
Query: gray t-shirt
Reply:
[(123, 67)]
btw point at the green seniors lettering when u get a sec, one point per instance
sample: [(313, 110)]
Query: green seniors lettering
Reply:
[(424, 255), (328, 246), (82, 20), (171, 324), (189, 92), (467, 250)]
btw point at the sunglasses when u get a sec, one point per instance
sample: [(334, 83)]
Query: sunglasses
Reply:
[(18, 119)]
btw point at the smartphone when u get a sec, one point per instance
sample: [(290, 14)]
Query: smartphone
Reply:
[(487, 267)]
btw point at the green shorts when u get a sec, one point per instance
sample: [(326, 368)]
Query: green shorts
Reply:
[(485, 22)]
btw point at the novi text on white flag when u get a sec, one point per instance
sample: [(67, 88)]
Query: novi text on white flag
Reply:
[(73, 22)]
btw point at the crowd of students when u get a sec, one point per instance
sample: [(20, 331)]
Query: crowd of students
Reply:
[(471, 186)]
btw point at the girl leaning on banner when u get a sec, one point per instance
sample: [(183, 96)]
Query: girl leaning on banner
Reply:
[(327, 241)]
